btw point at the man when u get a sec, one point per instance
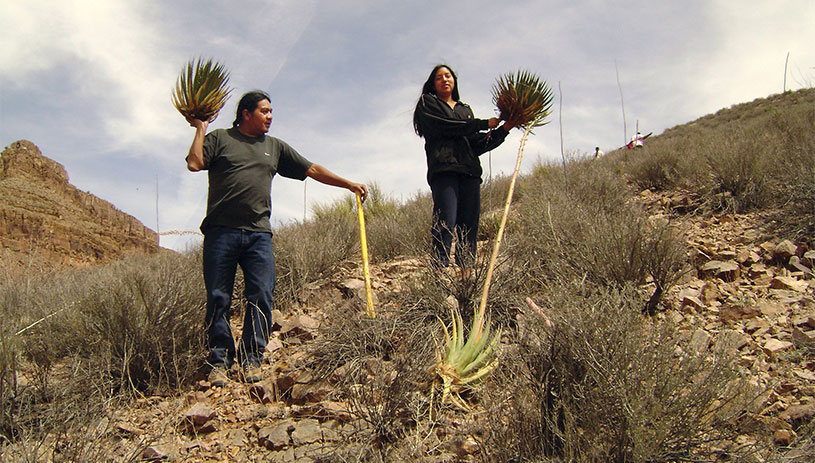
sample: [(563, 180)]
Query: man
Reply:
[(241, 162)]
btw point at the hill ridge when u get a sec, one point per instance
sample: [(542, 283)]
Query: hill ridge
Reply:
[(46, 219)]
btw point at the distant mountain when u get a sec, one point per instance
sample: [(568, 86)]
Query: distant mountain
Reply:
[(45, 221)]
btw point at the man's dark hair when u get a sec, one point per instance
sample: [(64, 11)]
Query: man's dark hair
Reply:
[(430, 87), (249, 101)]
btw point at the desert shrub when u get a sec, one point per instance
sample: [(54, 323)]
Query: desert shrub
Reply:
[(591, 231), (399, 229), (740, 170), (657, 167), (305, 252), (603, 384), (9, 365), (26, 360), (380, 368), (81, 337), (138, 323), (796, 159), (75, 431), (134, 324)]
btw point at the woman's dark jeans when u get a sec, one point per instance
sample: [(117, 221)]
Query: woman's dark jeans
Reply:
[(225, 249), (456, 208)]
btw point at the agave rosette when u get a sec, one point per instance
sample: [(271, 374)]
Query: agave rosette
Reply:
[(522, 99), (466, 363), (201, 90)]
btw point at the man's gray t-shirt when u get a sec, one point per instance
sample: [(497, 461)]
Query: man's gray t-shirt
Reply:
[(240, 170)]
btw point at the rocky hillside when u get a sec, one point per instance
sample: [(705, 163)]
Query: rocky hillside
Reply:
[(46, 221), (746, 289)]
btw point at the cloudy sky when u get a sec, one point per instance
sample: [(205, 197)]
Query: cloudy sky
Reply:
[(89, 82)]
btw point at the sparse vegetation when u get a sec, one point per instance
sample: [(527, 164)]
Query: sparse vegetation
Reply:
[(594, 381), (594, 370)]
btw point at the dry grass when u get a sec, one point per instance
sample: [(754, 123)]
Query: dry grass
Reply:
[(590, 231), (380, 367), (83, 338)]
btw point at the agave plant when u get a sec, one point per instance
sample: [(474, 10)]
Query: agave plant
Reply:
[(201, 90), (465, 364), (522, 99)]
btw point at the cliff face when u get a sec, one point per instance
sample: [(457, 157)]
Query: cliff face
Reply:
[(44, 217)]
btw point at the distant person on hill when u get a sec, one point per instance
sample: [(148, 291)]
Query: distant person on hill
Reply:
[(453, 141), (636, 141), (241, 162), (597, 152)]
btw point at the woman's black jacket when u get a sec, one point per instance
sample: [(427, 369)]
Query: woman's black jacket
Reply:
[(453, 137)]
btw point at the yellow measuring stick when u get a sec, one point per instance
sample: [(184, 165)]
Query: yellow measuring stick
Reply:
[(369, 308)]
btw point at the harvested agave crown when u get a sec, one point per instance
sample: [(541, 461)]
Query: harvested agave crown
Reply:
[(522, 99), (201, 90)]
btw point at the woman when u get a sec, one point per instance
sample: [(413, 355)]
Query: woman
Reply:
[(453, 141)]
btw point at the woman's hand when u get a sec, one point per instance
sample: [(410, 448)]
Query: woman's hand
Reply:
[(494, 122)]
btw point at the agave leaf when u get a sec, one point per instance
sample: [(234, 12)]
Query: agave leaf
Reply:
[(479, 375), (478, 338), (452, 345), (448, 341), (477, 328), (484, 355), (454, 354)]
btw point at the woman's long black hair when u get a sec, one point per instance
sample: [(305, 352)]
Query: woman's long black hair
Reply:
[(430, 87)]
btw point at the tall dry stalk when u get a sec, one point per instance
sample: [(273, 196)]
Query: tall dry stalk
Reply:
[(524, 101)]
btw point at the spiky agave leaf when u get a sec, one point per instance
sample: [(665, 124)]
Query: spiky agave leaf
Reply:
[(201, 90), (522, 99)]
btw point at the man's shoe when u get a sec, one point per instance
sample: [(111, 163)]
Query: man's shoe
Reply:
[(218, 377), (252, 374)]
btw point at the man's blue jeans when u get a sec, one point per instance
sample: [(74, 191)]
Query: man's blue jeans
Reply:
[(225, 249)]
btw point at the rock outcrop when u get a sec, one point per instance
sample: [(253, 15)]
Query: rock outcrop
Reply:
[(46, 219)]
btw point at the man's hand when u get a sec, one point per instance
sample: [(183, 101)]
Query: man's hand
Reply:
[(360, 189), (198, 123)]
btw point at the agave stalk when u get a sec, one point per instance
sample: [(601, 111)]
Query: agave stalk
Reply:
[(201, 90), (524, 101)]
